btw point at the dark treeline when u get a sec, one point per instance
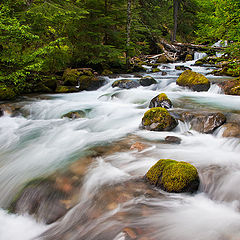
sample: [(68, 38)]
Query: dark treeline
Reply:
[(48, 36)]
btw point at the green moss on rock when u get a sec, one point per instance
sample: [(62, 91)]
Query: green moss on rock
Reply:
[(75, 114), (193, 80), (173, 176), (231, 87), (106, 72), (158, 119), (66, 89), (161, 101), (162, 97), (155, 70), (70, 77), (188, 57), (6, 93)]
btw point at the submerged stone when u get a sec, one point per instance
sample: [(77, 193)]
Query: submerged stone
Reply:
[(158, 119), (173, 176), (195, 81), (75, 114), (173, 140), (40, 198)]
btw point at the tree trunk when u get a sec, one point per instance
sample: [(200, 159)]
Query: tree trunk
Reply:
[(175, 17), (129, 20)]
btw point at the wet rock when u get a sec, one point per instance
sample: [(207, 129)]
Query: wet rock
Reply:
[(6, 93), (182, 68), (90, 83), (173, 140), (84, 78), (155, 70), (173, 176), (162, 59), (75, 114), (50, 83), (66, 89), (130, 233), (161, 101), (41, 88), (138, 146), (125, 84), (195, 81), (231, 87), (70, 77), (188, 57), (147, 81), (158, 119), (166, 67), (42, 199), (164, 73), (106, 72), (231, 130), (206, 61), (1, 112), (204, 122)]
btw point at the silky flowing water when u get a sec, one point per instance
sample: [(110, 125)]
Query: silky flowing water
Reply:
[(111, 200)]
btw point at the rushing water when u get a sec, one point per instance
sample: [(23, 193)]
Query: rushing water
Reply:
[(111, 201)]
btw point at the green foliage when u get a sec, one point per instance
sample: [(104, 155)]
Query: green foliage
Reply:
[(220, 20)]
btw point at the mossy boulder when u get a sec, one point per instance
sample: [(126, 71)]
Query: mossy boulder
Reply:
[(125, 84), (147, 81), (231, 87), (188, 57), (158, 119), (41, 88), (66, 89), (71, 76), (7, 93), (50, 83), (90, 83), (137, 68), (106, 72), (161, 100), (75, 114), (173, 176), (195, 81)]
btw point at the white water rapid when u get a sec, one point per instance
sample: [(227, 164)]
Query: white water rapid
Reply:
[(110, 202)]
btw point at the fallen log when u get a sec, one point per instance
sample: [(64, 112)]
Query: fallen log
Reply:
[(197, 47), (172, 57)]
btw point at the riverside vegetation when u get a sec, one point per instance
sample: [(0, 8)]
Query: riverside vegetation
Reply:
[(89, 162), (44, 43)]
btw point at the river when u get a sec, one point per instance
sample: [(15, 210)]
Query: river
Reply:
[(111, 202)]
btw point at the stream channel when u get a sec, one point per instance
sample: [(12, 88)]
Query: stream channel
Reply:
[(91, 161)]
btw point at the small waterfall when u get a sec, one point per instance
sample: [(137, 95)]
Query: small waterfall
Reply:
[(199, 55)]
